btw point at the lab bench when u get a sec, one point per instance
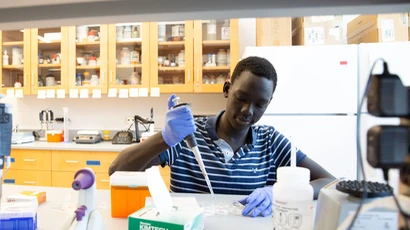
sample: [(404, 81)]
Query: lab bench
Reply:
[(54, 164), (51, 214)]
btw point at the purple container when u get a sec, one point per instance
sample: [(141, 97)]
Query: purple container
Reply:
[(83, 179)]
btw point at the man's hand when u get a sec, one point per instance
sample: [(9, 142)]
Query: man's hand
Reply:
[(259, 201), (179, 123)]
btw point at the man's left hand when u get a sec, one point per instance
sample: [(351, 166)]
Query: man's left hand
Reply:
[(258, 202)]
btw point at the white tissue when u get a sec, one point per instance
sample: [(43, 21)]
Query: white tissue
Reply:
[(159, 191)]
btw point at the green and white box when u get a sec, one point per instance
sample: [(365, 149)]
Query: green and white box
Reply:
[(184, 216)]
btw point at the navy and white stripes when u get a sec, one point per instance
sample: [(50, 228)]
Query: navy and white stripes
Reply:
[(252, 166)]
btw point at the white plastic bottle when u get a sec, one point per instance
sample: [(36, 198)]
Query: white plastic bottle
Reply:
[(5, 58), (292, 203)]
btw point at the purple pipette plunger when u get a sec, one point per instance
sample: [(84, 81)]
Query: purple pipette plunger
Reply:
[(83, 179)]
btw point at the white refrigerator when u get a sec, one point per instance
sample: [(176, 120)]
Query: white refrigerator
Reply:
[(315, 102), (395, 54)]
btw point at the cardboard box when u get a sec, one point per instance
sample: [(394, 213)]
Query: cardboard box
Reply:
[(273, 31), (378, 28), (186, 215), (38, 197), (317, 30)]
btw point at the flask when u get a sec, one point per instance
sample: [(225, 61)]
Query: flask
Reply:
[(225, 31), (5, 58), (292, 203), (211, 30)]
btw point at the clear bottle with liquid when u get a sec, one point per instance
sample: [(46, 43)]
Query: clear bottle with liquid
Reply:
[(5, 58), (226, 31), (127, 32), (125, 56), (211, 30)]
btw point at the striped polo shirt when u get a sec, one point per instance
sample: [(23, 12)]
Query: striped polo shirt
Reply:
[(252, 166)]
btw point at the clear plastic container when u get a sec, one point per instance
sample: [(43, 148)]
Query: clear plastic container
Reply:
[(221, 58), (292, 199), (127, 32)]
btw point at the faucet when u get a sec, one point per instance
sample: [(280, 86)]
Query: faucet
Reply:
[(16, 129)]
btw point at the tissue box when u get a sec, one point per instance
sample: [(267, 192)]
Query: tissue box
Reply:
[(128, 192), (183, 217), (38, 197)]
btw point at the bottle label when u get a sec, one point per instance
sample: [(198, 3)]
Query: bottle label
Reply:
[(211, 29), (226, 35), (292, 214)]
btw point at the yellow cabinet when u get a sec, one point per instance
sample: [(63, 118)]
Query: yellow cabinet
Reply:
[(15, 68), (216, 53), (129, 56), (49, 59), (28, 177), (88, 59), (201, 70), (31, 159), (171, 56)]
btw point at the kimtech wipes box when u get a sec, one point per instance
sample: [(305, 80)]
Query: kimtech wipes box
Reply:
[(162, 212)]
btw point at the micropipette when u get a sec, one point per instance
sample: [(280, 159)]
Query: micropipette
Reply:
[(192, 144)]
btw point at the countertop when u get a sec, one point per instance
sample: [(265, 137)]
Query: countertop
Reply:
[(51, 215), (98, 147)]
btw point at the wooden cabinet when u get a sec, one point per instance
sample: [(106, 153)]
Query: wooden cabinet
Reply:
[(49, 59), (17, 45), (196, 75), (208, 77), (29, 167), (88, 58), (129, 58), (35, 55), (56, 168), (164, 51)]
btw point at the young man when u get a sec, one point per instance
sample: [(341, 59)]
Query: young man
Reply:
[(240, 157)]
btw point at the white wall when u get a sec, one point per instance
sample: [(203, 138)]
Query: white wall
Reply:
[(107, 113)]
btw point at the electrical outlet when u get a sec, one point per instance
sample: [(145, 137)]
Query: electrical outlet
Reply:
[(129, 120)]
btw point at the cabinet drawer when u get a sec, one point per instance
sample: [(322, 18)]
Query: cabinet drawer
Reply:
[(99, 161), (31, 159), (67, 161), (103, 181), (28, 177), (72, 161)]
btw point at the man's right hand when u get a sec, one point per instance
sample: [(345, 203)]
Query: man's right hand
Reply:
[(179, 123)]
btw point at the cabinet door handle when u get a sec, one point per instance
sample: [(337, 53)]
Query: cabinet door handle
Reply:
[(110, 76), (197, 75), (29, 160), (104, 180), (71, 162), (189, 75), (32, 79), (29, 182)]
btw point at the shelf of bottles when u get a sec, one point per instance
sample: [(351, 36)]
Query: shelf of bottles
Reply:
[(215, 51), (128, 54), (88, 48), (49, 57), (171, 53), (13, 59)]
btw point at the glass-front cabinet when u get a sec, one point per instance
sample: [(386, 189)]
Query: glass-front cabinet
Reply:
[(171, 56), (49, 59), (128, 56), (216, 53), (88, 56), (15, 46)]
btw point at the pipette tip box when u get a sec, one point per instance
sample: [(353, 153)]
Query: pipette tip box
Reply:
[(18, 215)]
